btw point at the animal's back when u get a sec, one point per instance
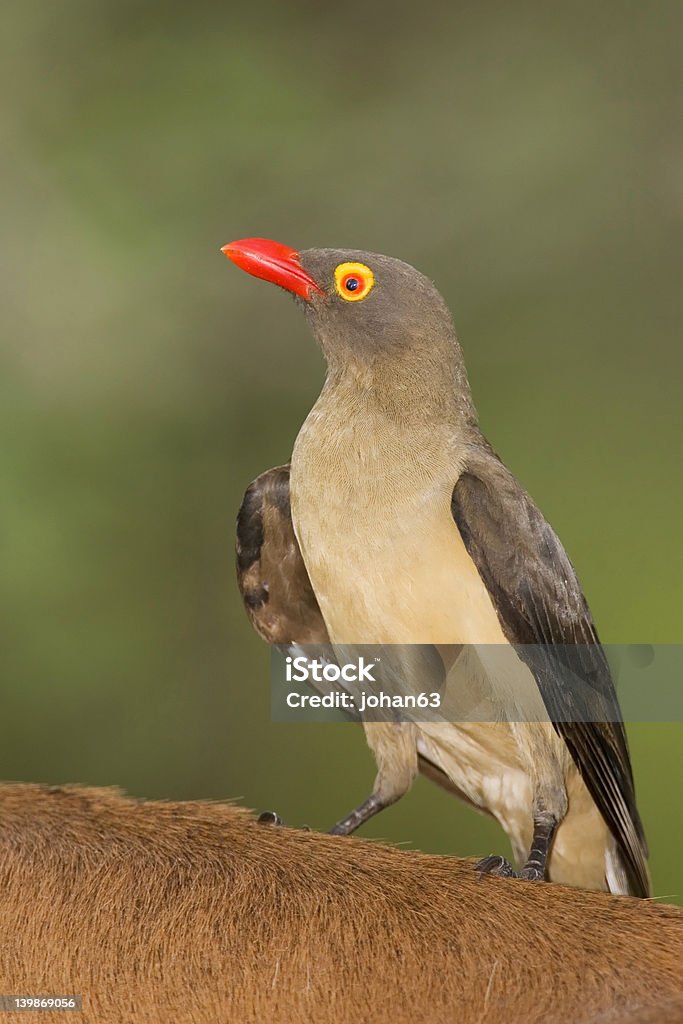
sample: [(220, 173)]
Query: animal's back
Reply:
[(194, 913)]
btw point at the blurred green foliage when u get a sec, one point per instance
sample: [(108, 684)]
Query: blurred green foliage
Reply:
[(527, 157)]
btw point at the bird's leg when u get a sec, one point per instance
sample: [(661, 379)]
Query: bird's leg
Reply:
[(368, 809), (545, 826), (395, 751), (394, 776), (373, 805)]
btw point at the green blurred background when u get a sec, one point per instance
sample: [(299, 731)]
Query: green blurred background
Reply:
[(527, 157)]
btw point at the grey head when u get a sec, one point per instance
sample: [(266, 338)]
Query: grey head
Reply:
[(367, 311)]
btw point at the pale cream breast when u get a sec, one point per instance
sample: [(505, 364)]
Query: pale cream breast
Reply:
[(371, 507)]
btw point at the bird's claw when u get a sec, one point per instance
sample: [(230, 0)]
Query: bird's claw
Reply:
[(269, 818), (532, 874), (337, 831), (495, 865), (273, 818), (502, 868)]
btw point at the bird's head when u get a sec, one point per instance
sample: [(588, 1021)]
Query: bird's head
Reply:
[(362, 306)]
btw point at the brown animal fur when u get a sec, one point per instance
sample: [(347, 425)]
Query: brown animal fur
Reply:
[(192, 913)]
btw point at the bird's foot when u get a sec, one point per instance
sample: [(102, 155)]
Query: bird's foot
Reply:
[(532, 873), (502, 868), (338, 830), (273, 818), (495, 865), (270, 818)]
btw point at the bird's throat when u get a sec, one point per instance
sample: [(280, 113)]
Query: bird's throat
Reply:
[(371, 450)]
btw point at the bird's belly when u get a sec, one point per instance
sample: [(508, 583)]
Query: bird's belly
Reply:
[(389, 582), (409, 579), (482, 760)]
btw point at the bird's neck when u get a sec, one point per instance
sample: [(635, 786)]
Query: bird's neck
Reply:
[(414, 392), (378, 438)]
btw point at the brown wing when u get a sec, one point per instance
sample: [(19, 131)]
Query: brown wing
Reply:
[(277, 593), (540, 605), (272, 577)]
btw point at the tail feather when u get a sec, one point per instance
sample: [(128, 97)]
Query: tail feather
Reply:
[(619, 880)]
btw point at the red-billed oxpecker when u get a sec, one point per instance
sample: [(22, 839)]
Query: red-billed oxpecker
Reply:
[(396, 523)]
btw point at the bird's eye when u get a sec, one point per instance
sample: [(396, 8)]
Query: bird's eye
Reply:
[(353, 281)]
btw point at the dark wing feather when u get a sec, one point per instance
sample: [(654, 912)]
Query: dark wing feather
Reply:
[(271, 574), (539, 602), (277, 593)]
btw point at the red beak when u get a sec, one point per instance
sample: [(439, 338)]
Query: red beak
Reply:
[(272, 262)]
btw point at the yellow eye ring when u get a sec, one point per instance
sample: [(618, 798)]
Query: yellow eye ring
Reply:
[(353, 281)]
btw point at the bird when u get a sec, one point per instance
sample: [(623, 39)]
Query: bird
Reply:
[(396, 523)]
